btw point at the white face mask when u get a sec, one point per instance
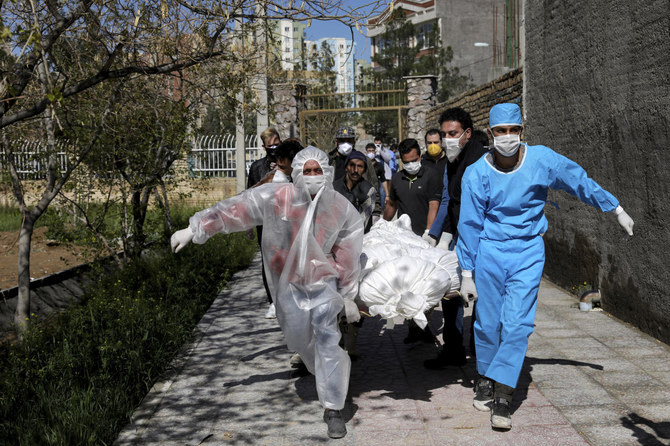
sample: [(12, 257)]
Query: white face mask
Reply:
[(280, 177), (314, 183), (344, 148), (452, 147), (412, 168), (507, 145), (370, 155)]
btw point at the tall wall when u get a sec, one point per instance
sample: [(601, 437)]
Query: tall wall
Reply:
[(466, 23), (598, 91)]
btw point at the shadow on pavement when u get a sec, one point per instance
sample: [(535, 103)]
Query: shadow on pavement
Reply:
[(635, 422)]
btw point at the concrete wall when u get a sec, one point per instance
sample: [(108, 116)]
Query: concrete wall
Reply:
[(464, 23), (598, 91)]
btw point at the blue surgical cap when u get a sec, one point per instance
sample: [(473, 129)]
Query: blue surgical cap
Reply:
[(504, 114)]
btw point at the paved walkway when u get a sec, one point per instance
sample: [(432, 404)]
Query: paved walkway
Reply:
[(588, 379)]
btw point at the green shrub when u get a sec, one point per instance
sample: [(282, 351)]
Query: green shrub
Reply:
[(77, 377)]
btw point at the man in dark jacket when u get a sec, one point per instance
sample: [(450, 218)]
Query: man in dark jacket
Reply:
[(259, 168), (345, 140), (357, 190), (462, 150)]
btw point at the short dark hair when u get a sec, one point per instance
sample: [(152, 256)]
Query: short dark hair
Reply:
[(457, 114), (432, 132), (368, 145), (407, 145), (288, 149), (481, 136), (378, 138)]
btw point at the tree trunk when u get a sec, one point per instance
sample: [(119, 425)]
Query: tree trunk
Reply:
[(23, 303)]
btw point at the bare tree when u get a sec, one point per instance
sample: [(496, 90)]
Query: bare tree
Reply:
[(50, 52)]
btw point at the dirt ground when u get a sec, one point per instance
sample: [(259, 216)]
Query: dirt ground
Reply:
[(45, 258)]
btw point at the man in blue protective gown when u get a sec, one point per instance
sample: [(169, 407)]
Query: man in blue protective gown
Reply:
[(501, 251)]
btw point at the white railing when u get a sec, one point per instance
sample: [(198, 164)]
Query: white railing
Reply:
[(32, 157), (214, 156), (211, 156)]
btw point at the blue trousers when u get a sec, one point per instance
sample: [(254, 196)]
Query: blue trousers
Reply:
[(507, 276)]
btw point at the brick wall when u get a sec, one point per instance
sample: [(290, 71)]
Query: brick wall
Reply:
[(478, 101), (598, 92)]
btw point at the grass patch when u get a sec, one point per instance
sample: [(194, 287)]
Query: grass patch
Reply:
[(77, 378)]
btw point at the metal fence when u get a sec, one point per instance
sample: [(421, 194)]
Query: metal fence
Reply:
[(211, 156), (214, 156), (31, 158)]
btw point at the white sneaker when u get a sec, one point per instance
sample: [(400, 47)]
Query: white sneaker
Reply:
[(271, 313)]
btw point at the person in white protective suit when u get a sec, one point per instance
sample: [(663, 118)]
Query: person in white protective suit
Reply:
[(312, 241), (500, 240)]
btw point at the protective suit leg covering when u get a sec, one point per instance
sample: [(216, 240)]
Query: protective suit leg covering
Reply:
[(507, 276), (332, 364)]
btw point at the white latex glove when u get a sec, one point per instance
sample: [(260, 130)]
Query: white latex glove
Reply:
[(351, 311), (445, 241), (468, 288), (428, 238), (624, 220), (180, 239)]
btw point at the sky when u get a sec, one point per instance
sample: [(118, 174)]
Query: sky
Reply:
[(320, 29)]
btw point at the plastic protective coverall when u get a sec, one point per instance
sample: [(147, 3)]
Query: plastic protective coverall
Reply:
[(501, 223), (311, 251)]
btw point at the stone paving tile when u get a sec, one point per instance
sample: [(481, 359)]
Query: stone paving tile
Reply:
[(644, 395), (617, 435), (637, 353), (606, 365), (655, 412), (595, 414), (624, 380)]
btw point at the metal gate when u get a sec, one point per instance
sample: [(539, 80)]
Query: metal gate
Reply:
[(324, 111)]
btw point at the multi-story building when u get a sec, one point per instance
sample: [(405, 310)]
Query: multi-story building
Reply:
[(343, 52), (290, 42), (485, 35)]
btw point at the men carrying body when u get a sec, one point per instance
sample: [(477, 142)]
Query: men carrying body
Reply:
[(461, 151), (415, 191), (311, 246), (500, 241)]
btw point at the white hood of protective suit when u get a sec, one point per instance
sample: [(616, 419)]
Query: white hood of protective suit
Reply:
[(306, 154)]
